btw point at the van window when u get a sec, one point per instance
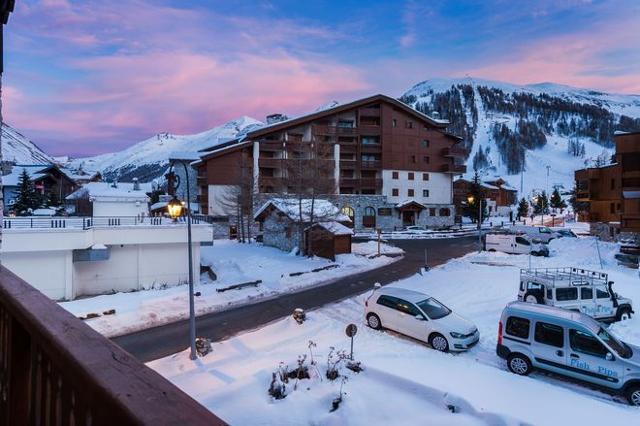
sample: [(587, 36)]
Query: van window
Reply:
[(534, 286), (586, 343), (549, 294), (601, 293), (523, 241), (569, 293), (521, 285), (549, 334), (518, 327), (586, 293)]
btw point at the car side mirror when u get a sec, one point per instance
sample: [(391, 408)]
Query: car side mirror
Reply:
[(420, 317), (377, 286), (609, 356)]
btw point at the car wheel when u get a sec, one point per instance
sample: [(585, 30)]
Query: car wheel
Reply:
[(633, 395), (532, 298), (373, 321), (439, 342), (624, 314), (492, 250), (519, 364)]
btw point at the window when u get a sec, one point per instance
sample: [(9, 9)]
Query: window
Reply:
[(618, 206), (564, 294), (425, 176), (523, 241), (612, 208), (348, 211), (549, 334), (413, 158), (345, 123), (425, 159), (549, 294), (369, 217), (369, 211), (410, 192), (395, 192), (433, 308), (518, 327), (288, 231), (394, 123), (407, 308), (586, 343), (409, 124), (425, 193), (394, 175), (432, 211), (425, 143), (601, 293), (410, 175), (586, 293), (613, 184), (445, 212), (388, 301), (370, 140)]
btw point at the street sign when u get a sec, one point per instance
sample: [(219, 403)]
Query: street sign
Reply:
[(351, 330)]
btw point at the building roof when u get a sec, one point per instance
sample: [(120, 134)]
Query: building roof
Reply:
[(336, 228), (35, 172), (242, 140), (105, 190), (406, 203), (323, 210)]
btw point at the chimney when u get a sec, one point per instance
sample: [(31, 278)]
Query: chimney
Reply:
[(276, 118), (136, 184)]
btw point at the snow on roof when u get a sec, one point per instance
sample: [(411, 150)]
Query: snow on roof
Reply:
[(44, 212), (123, 190), (34, 172), (408, 202), (322, 209), (408, 295), (336, 228)]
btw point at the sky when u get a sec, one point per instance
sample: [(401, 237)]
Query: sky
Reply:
[(95, 76)]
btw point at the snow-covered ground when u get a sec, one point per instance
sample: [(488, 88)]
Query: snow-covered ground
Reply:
[(406, 382), (233, 263)]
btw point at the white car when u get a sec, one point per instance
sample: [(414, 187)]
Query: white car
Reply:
[(420, 316)]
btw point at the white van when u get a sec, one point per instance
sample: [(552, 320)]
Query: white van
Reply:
[(514, 244), (540, 234)]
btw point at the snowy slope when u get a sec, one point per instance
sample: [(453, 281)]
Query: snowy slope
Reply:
[(17, 148), (147, 159), (553, 154)]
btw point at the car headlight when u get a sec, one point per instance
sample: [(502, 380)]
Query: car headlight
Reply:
[(457, 335)]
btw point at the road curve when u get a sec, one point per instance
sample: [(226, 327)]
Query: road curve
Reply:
[(158, 342)]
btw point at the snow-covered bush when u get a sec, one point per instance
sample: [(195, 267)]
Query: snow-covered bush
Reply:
[(335, 359), (203, 346)]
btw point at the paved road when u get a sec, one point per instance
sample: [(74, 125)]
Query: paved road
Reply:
[(154, 343)]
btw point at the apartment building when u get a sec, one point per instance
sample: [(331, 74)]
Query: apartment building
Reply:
[(381, 162), (610, 195)]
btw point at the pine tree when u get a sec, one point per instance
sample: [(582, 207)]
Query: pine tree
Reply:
[(556, 200), (541, 205), (472, 209), (523, 208), (27, 197)]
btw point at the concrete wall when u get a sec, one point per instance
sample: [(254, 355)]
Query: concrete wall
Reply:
[(120, 208), (439, 186), (49, 271)]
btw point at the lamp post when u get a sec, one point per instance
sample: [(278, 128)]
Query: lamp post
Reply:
[(174, 208), (470, 200)]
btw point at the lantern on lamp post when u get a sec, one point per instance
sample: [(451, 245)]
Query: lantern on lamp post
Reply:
[(174, 208), (470, 200)]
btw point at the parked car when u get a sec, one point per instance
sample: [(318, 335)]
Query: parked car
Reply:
[(540, 234), (568, 343), (564, 232), (514, 244), (419, 316), (576, 289)]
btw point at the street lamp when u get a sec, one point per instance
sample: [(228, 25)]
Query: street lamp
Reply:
[(174, 208), (470, 200)]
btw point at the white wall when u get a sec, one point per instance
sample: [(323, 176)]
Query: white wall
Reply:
[(219, 197), (48, 271), (120, 208), (439, 186)]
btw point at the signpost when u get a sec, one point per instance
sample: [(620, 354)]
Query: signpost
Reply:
[(351, 331), (379, 231)]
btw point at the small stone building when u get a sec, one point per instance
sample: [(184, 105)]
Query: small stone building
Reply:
[(286, 223)]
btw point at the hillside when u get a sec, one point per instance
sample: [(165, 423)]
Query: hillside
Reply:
[(148, 159), (20, 150), (510, 129)]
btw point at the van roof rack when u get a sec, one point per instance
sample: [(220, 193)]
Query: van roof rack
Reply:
[(564, 277)]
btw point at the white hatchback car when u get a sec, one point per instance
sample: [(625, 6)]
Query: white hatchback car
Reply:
[(419, 316)]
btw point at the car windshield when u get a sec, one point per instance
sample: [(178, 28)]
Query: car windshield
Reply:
[(433, 308), (619, 347), (545, 230)]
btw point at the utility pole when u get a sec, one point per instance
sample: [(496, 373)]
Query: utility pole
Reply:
[(546, 193)]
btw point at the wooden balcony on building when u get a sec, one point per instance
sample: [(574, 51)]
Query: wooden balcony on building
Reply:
[(371, 183), (454, 152), (56, 370), (270, 145), (453, 168), (270, 162), (369, 129), (348, 164), (348, 182), (271, 181), (371, 148), (348, 148), (630, 174), (370, 165), (319, 129)]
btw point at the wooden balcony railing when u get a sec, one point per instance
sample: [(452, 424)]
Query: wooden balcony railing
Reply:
[(371, 164), (56, 370), (453, 168), (454, 151), (334, 130)]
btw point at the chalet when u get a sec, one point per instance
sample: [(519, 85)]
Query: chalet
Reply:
[(48, 179), (608, 197), (501, 197), (368, 156), (117, 199), (285, 221)]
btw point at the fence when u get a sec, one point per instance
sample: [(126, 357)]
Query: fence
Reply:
[(33, 222)]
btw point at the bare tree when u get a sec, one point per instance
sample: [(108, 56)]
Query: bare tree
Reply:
[(239, 200)]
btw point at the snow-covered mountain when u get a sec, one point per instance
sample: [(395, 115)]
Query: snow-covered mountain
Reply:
[(510, 128), (148, 159), (20, 150)]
